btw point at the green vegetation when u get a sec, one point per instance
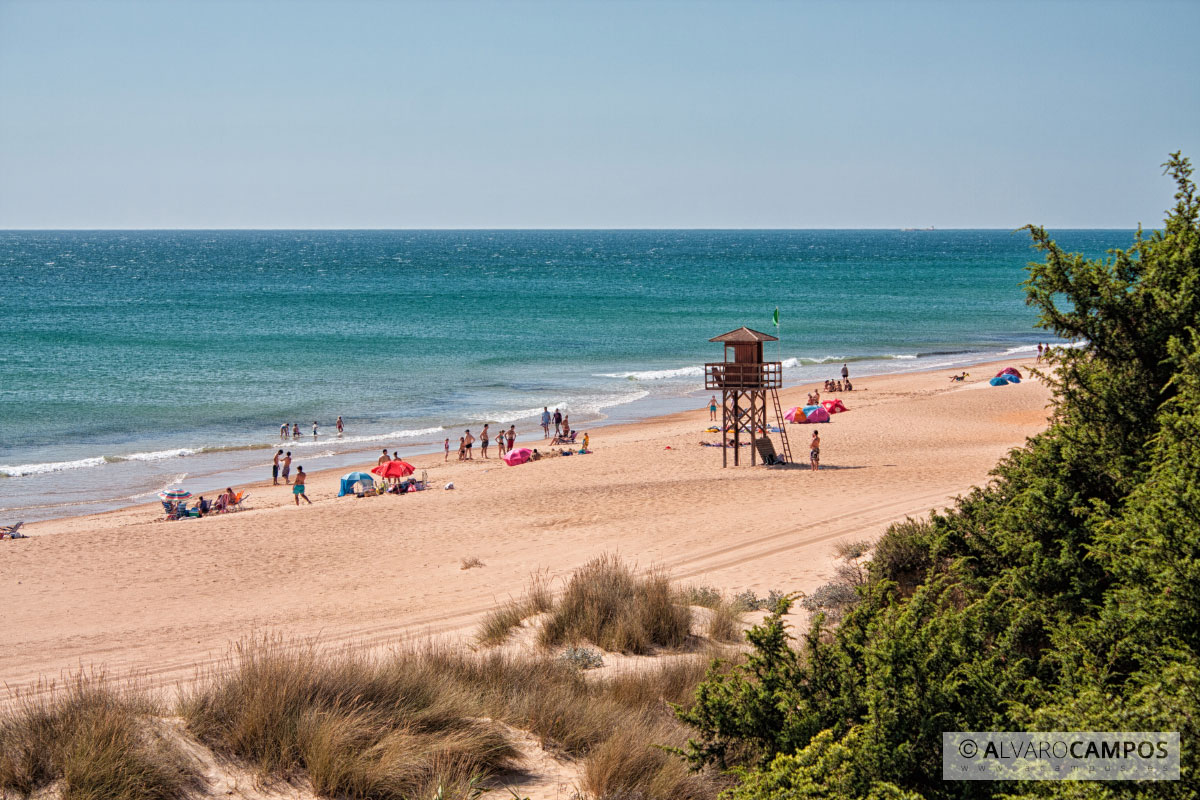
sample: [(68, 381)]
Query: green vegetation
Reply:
[(1065, 595)]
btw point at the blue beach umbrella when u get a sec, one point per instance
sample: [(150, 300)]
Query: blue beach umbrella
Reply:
[(350, 479)]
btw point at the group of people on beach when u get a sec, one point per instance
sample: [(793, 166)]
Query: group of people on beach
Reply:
[(282, 469), (466, 442), (562, 425), (293, 432)]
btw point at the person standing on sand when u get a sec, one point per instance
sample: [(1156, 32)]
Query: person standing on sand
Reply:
[(512, 436), (298, 487), (557, 422), (469, 440), (712, 408), (546, 422), (447, 458), (814, 451), (500, 443), (340, 427), (585, 441), (845, 372), (383, 459), (483, 440), (283, 431), (287, 466), (462, 448), (275, 469)]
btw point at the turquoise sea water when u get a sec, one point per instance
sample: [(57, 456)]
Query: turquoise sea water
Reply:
[(136, 359)]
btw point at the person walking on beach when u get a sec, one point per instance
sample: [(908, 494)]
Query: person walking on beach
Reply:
[(287, 466), (483, 440), (546, 422), (557, 422), (298, 487), (712, 408), (339, 426), (275, 469), (845, 372), (469, 440), (512, 436), (283, 431), (814, 451)]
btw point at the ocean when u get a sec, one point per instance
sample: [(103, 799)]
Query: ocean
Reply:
[(132, 360)]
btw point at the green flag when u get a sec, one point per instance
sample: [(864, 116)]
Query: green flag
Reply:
[(775, 317)]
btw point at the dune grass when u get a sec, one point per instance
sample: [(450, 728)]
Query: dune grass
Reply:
[(357, 727), (606, 603), (419, 719), (97, 741), (501, 621)]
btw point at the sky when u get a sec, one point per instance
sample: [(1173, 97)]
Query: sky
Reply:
[(355, 114)]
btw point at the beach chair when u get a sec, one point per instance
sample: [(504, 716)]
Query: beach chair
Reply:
[(766, 451), (241, 497), (11, 531), (565, 439)]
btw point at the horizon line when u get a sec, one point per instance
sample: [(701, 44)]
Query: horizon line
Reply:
[(537, 229)]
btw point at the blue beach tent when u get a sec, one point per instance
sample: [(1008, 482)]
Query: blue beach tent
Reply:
[(1011, 378), (998, 381), (351, 478)]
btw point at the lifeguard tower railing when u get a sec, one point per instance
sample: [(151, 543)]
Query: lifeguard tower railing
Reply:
[(732, 375)]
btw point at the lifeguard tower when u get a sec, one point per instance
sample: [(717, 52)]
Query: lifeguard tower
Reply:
[(745, 381)]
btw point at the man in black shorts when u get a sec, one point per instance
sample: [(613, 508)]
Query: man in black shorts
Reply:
[(275, 469), (470, 440)]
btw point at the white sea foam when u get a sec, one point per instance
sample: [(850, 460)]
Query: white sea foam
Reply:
[(158, 455), (22, 470), (582, 404), (382, 437), (903, 356), (655, 374)]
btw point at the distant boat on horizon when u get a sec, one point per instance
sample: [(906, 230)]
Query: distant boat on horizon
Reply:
[(930, 228)]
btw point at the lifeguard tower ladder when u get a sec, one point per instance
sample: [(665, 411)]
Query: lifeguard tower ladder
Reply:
[(745, 380)]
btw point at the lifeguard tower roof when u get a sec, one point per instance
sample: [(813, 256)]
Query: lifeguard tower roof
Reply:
[(744, 335)]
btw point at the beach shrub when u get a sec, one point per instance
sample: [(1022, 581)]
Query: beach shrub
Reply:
[(96, 741), (1062, 596), (607, 604), (582, 657)]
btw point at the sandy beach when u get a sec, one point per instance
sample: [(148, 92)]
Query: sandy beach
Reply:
[(127, 592)]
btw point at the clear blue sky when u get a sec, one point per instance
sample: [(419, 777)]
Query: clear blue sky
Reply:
[(608, 114)]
